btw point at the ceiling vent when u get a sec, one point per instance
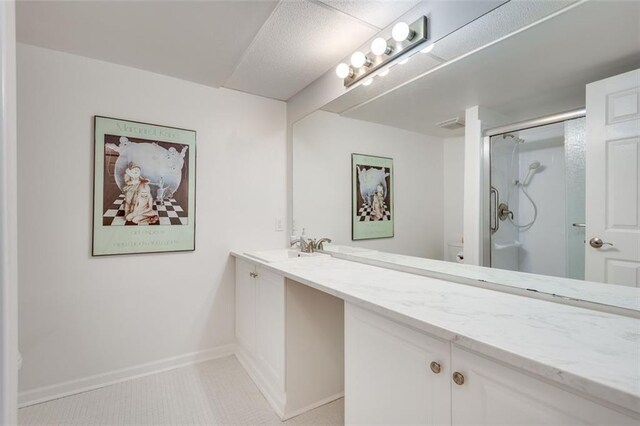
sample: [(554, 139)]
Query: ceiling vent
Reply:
[(454, 123)]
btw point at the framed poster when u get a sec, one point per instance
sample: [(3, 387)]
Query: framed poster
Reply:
[(144, 188), (372, 197)]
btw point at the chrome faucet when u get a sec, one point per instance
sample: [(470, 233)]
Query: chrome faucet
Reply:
[(320, 241), (306, 246), (310, 245)]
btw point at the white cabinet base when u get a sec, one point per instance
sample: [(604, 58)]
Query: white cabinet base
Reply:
[(494, 394), (289, 339)]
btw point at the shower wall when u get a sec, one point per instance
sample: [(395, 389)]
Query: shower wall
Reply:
[(543, 246)]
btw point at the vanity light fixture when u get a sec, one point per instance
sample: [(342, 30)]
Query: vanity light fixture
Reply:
[(401, 32), (379, 46), (359, 60), (405, 38), (343, 70)]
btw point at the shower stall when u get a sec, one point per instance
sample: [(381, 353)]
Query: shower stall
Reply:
[(536, 194)]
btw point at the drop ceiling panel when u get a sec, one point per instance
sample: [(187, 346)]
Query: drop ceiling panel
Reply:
[(379, 13), (192, 40), (492, 26), (536, 72), (299, 43)]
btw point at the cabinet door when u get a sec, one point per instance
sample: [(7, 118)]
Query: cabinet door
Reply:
[(493, 394), (245, 305), (388, 379), (270, 328)]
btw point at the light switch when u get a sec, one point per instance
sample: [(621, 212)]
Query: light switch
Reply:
[(279, 224)]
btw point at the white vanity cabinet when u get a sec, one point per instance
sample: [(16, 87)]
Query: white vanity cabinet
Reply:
[(492, 394), (389, 380), (260, 329), (289, 338), (393, 374)]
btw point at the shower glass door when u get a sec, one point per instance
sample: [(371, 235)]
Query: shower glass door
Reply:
[(537, 199)]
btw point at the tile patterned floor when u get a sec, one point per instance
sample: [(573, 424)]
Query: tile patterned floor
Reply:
[(217, 392)]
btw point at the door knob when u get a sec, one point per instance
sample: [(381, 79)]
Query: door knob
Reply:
[(435, 367), (596, 242)]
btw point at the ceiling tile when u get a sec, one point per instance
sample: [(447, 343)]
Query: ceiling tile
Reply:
[(376, 12), (299, 43), (199, 41)]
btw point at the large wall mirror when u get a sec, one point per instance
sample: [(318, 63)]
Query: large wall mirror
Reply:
[(528, 80)]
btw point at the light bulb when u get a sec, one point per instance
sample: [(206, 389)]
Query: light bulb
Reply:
[(367, 82), (358, 59), (379, 46), (343, 70), (427, 49), (383, 73), (401, 31)]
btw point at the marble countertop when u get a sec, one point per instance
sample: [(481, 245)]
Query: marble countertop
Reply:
[(592, 352), (622, 297)]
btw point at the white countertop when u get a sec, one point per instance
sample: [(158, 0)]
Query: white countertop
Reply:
[(623, 297), (589, 351)]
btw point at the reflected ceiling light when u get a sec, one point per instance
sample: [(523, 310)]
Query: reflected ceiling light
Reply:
[(379, 46), (383, 73), (343, 70), (404, 61), (427, 49), (359, 59), (402, 32), (367, 82)]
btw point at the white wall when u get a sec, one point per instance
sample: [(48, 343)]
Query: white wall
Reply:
[(322, 148), (453, 161), (82, 316), (8, 219)]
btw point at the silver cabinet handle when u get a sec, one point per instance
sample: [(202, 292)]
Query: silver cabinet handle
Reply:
[(253, 275), (458, 378), (596, 242), (579, 225)]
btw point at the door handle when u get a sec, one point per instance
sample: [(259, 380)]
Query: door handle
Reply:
[(493, 207), (596, 242)]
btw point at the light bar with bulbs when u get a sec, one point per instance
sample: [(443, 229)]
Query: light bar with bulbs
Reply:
[(404, 38)]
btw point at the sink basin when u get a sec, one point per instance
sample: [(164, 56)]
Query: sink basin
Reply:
[(279, 255)]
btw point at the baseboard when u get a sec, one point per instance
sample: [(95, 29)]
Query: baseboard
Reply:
[(289, 415), (48, 393)]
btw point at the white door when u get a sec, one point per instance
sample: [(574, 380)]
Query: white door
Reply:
[(389, 375), (245, 305), (613, 180)]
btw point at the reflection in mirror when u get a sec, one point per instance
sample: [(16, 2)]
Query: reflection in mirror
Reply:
[(556, 189)]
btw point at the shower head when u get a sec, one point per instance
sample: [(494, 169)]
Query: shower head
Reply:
[(515, 138), (533, 167)]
